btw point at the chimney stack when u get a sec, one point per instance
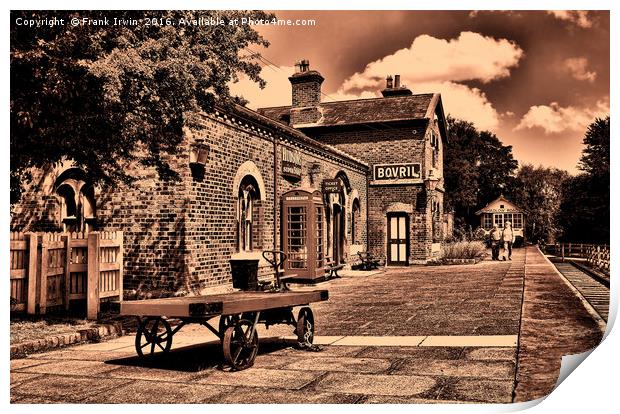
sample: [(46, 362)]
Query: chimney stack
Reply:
[(306, 90), (395, 89)]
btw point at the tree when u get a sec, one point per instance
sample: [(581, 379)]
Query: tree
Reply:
[(105, 96), (477, 169), (595, 158), (538, 192), (585, 209)]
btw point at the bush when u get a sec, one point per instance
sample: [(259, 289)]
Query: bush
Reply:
[(464, 250)]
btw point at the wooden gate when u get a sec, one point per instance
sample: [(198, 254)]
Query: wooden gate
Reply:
[(52, 269)]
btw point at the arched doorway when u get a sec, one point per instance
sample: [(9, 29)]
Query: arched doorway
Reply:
[(337, 219), (338, 233)]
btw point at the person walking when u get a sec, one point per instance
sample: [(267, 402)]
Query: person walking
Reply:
[(508, 237), (495, 237)]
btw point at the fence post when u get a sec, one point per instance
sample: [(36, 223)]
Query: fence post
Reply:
[(67, 276), (43, 274), (92, 278), (32, 274)]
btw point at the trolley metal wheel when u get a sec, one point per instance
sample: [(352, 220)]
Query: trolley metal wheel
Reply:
[(305, 326), (240, 345), (225, 322), (153, 333)]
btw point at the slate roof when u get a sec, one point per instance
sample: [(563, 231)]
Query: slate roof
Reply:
[(509, 206), (363, 111), (293, 133)]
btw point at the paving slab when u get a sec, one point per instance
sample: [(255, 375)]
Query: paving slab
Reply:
[(78, 353), (471, 340), (70, 367), (18, 377), (258, 396), (259, 377), (476, 390), (395, 385), (490, 354), (458, 368), (380, 340), (154, 392), (391, 352), (17, 364), (148, 373), (58, 388), (363, 365)]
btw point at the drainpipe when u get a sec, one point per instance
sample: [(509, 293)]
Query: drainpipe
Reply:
[(275, 192), (368, 178)]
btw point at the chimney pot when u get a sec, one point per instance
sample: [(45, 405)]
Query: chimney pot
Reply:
[(388, 82), (304, 65), (397, 81)]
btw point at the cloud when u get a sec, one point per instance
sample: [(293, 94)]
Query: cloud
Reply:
[(555, 119), (460, 101), (577, 67), (471, 56), (276, 93), (578, 17)]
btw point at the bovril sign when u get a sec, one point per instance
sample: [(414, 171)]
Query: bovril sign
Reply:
[(397, 172)]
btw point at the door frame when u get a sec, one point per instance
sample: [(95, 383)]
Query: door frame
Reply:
[(389, 238)]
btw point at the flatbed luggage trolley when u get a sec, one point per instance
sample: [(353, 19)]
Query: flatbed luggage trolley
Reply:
[(239, 312)]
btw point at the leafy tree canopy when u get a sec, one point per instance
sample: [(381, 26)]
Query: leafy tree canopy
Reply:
[(538, 192), (104, 96), (477, 169), (585, 208), (595, 158)]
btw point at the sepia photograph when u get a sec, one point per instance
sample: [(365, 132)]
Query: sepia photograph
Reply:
[(306, 206)]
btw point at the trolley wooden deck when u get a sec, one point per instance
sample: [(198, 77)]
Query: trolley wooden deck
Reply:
[(239, 312)]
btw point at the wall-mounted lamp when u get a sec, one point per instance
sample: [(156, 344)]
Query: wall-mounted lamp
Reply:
[(314, 172), (432, 181), (199, 154)]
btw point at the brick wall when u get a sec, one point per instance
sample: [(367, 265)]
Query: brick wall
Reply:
[(385, 144), (180, 235)]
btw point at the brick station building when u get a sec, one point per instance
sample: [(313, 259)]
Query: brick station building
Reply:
[(319, 180), (401, 137)]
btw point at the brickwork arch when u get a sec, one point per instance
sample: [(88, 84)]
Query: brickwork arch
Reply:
[(249, 168), (399, 208)]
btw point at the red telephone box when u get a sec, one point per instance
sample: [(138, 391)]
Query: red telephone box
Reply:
[(303, 233)]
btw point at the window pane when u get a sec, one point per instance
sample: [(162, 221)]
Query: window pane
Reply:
[(394, 252), (394, 227), (296, 237)]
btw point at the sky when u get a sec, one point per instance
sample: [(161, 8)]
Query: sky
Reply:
[(536, 79)]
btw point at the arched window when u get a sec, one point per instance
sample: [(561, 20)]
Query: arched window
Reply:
[(77, 199), (246, 198), (355, 221)]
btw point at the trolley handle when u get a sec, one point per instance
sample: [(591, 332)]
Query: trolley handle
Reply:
[(274, 257)]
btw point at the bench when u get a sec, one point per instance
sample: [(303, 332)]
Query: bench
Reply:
[(368, 261), (332, 268)]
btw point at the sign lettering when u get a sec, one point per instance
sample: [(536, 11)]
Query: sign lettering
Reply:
[(396, 172), (331, 186), (291, 163)]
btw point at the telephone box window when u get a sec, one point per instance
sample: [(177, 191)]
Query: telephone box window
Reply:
[(297, 237), (303, 234)]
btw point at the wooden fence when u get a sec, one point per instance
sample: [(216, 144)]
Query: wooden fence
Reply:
[(52, 269), (596, 255)]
